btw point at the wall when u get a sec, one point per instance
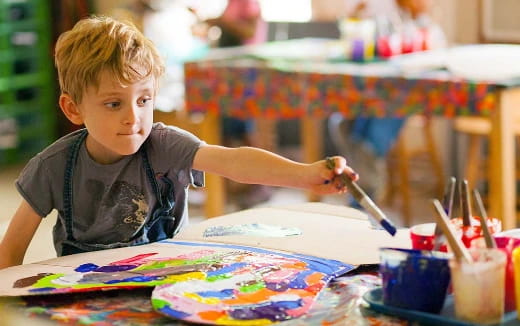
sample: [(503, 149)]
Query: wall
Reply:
[(466, 21)]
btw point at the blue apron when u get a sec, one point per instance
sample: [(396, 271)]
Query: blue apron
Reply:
[(161, 225)]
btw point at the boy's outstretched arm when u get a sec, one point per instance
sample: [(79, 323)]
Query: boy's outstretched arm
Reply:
[(257, 166), (19, 234)]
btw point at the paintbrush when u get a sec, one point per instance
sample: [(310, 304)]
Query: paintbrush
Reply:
[(465, 203), (362, 198), (490, 241), (456, 245), (447, 204)]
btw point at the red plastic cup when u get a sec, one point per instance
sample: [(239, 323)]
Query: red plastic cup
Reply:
[(423, 236), (470, 233)]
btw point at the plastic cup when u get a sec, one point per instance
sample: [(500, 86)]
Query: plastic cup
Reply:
[(414, 279), (423, 237), (478, 287), (516, 266), (470, 233), (507, 245)]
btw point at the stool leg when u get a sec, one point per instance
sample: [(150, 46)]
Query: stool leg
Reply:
[(473, 160), (390, 186), (434, 156), (404, 185)]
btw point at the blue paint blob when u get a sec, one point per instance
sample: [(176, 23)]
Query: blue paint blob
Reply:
[(224, 294), (173, 313), (47, 289), (137, 279), (414, 279), (226, 269), (299, 281), (85, 268), (289, 304), (114, 268)]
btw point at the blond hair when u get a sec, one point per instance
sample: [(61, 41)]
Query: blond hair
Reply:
[(97, 44)]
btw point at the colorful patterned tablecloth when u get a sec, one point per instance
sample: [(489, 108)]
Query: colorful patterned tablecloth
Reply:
[(287, 90)]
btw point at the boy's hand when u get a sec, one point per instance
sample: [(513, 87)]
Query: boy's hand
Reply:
[(330, 172)]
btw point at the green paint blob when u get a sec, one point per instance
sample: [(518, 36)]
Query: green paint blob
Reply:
[(215, 278), (253, 287)]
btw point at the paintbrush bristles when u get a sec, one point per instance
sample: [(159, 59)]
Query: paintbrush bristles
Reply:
[(456, 245)]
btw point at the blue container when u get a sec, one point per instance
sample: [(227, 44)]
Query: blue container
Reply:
[(414, 279)]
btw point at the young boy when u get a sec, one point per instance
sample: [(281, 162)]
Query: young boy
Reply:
[(123, 180)]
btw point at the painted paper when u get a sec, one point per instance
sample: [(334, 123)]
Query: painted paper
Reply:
[(197, 282)]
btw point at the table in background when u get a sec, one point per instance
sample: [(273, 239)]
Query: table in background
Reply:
[(256, 83)]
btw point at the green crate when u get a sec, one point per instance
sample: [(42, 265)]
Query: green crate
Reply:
[(27, 84), (14, 63), (16, 11)]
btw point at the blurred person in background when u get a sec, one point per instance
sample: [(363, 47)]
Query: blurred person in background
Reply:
[(240, 24), (405, 26)]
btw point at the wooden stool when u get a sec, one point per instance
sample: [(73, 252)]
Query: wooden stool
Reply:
[(477, 130), (399, 166)]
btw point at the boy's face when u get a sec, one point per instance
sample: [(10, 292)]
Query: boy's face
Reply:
[(118, 118)]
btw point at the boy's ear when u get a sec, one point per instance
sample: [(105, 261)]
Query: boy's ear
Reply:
[(70, 109)]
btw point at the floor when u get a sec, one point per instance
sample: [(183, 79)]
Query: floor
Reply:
[(41, 247)]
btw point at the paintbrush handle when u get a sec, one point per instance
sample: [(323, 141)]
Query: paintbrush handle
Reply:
[(447, 204), (368, 204), (465, 203), (451, 196), (456, 245), (490, 241), (361, 197)]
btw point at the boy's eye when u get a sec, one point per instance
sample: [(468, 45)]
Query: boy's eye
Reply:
[(112, 105), (145, 100)]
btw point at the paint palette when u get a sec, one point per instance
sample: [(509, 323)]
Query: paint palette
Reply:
[(446, 317), (252, 289)]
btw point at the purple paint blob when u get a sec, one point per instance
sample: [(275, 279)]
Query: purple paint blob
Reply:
[(270, 311), (278, 287)]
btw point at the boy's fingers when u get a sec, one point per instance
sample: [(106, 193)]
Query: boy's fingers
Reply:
[(338, 165), (330, 188)]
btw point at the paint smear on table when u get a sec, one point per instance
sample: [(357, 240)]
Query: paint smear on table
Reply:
[(252, 229)]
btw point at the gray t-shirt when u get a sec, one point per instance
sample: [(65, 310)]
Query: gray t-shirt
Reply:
[(111, 202)]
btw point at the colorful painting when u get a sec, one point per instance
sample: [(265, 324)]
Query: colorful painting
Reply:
[(340, 303), (197, 282)]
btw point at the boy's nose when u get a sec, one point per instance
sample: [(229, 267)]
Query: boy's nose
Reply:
[(132, 115)]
